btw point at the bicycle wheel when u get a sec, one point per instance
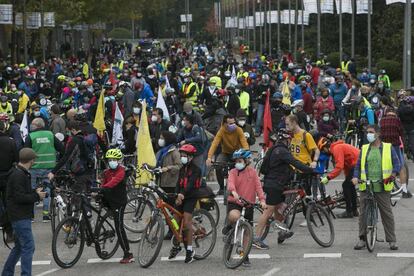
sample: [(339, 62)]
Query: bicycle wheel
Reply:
[(371, 224), (151, 241), (204, 234), (238, 245), (212, 207), (320, 225), (106, 239), (68, 242), (54, 209), (137, 214)]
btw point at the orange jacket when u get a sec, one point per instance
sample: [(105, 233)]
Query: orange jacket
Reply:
[(345, 156)]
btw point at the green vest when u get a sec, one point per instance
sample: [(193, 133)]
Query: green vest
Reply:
[(44, 146), (344, 66), (386, 163), (244, 101), (186, 89)]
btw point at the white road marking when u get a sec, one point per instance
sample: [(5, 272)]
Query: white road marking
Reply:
[(48, 272), (322, 255), (38, 263), (255, 256), (272, 271), (178, 258), (97, 260), (396, 255)]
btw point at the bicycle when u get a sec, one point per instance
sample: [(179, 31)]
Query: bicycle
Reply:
[(371, 217), (315, 214), (225, 167), (153, 235), (78, 229), (239, 240)]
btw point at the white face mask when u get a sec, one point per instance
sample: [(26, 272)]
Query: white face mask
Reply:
[(136, 110), (154, 118), (113, 164), (242, 123), (240, 166), (161, 142), (326, 118), (184, 160), (182, 123), (371, 137), (36, 113)]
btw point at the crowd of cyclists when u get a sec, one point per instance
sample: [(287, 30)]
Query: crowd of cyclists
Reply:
[(217, 101)]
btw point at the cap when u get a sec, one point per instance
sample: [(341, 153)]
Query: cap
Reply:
[(187, 107), (241, 113), (27, 154)]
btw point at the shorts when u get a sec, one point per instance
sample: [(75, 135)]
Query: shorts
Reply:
[(248, 215), (400, 154), (187, 205), (274, 196)]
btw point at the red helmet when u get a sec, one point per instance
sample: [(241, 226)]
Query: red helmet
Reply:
[(4, 117), (221, 92), (189, 149)]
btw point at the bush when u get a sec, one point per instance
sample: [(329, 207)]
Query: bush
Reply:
[(393, 68), (333, 58), (120, 33)]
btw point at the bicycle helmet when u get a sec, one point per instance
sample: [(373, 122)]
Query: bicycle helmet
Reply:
[(252, 75), (323, 142), (114, 154), (241, 153), (188, 148), (283, 134), (298, 103)]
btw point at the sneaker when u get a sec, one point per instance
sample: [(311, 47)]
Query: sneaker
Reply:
[(304, 224), (407, 195), (189, 256), (393, 246), (246, 262), (360, 245), (46, 218), (259, 244), (345, 214), (284, 235), (128, 259), (174, 252)]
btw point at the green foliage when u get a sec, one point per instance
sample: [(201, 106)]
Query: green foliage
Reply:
[(333, 58), (120, 33), (392, 67)]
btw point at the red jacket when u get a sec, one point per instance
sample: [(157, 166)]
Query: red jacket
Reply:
[(321, 105), (113, 177), (345, 156)]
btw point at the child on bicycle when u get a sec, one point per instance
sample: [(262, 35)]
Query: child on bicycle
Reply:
[(243, 182), (115, 196), (189, 182)]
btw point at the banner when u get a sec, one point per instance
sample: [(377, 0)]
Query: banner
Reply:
[(249, 22), (161, 104), (34, 20), (389, 2), (241, 24), (284, 17), (186, 17), (310, 6), (6, 14), (327, 6), (305, 18), (117, 136), (346, 6), (362, 6), (259, 19), (272, 17), (49, 19)]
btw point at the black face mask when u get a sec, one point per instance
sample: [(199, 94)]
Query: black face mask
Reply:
[(325, 96)]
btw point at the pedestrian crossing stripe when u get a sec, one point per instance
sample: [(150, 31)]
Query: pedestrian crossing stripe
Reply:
[(322, 255), (396, 255), (38, 263), (97, 260), (251, 256)]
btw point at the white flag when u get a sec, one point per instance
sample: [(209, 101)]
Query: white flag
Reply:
[(327, 6), (310, 6), (233, 79), (24, 127), (117, 136), (389, 2), (167, 82), (346, 6), (362, 6), (161, 104)]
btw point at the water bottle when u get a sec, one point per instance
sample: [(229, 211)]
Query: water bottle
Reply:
[(60, 202), (173, 221)]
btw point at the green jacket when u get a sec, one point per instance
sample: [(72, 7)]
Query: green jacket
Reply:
[(43, 145)]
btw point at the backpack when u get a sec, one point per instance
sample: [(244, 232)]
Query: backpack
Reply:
[(75, 164), (90, 142), (265, 167)]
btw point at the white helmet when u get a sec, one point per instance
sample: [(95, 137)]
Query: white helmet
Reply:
[(298, 103)]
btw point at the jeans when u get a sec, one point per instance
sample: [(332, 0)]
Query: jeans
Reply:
[(259, 118), (23, 249), (37, 173)]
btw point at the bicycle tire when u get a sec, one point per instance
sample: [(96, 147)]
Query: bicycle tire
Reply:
[(156, 224), (266, 229), (77, 226), (136, 207), (108, 233), (371, 226), (321, 215), (244, 227), (201, 231), (213, 208), (53, 213)]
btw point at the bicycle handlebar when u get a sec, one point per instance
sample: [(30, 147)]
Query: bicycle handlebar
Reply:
[(155, 171)]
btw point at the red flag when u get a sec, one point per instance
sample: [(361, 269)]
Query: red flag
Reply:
[(267, 121)]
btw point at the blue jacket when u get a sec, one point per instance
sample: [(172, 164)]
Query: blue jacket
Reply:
[(323, 163), (338, 93), (297, 92), (369, 114), (147, 94)]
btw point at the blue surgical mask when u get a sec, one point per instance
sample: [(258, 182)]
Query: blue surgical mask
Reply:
[(231, 127), (371, 137), (36, 113), (184, 160), (240, 166), (113, 164)]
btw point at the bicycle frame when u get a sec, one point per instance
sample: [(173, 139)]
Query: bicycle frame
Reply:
[(163, 206), (300, 194), (371, 198)]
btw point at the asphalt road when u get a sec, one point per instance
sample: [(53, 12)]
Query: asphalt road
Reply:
[(299, 255)]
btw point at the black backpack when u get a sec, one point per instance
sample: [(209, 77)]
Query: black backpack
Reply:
[(264, 168)]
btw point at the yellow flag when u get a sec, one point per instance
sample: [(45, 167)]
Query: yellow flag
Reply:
[(85, 70), (286, 93), (99, 122), (145, 152)]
